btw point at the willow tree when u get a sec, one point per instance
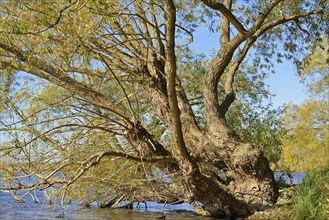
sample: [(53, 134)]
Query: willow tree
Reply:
[(96, 98)]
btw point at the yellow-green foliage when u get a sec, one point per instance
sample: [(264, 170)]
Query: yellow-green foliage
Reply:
[(307, 144), (312, 201)]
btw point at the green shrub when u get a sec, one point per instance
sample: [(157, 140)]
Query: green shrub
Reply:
[(312, 201)]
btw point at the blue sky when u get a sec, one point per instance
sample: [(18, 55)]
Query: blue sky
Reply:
[(284, 83)]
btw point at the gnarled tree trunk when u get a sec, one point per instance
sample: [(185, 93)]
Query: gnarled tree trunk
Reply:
[(122, 46), (228, 177)]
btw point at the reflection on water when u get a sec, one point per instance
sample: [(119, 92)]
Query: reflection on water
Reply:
[(10, 209)]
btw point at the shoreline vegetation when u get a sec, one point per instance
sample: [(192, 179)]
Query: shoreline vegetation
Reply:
[(308, 200)]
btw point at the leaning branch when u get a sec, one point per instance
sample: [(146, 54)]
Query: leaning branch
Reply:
[(95, 159), (41, 69)]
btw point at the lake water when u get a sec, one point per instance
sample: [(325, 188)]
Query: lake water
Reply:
[(10, 209)]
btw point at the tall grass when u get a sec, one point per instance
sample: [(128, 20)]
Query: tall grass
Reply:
[(312, 201)]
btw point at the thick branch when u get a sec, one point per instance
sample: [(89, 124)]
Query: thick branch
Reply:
[(215, 70), (225, 26), (231, 72), (230, 96), (151, 159), (157, 32), (217, 66), (170, 69), (226, 12)]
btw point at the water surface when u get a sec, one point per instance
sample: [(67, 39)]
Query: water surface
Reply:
[(10, 209)]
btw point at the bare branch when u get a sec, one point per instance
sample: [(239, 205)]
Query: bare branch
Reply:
[(300, 27)]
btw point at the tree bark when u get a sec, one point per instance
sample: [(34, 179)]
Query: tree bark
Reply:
[(247, 184)]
